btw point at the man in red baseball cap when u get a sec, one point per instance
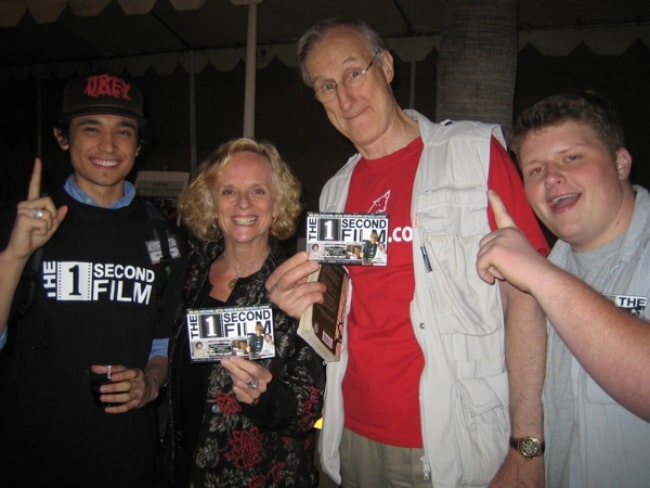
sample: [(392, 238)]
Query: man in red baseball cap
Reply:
[(104, 92), (88, 277)]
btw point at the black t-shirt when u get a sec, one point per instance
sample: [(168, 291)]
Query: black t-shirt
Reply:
[(100, 300)]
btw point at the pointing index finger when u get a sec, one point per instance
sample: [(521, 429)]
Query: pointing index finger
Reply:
[(34, 190), (501, 215)]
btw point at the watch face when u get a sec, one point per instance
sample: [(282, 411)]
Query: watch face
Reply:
[(529, 446)]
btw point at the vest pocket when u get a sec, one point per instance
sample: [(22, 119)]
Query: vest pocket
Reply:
[(451, 223), (453, 211), (480, 417)]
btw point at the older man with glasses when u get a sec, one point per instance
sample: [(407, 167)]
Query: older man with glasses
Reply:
[(420, 396)]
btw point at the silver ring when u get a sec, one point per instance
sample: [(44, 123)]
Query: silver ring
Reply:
[(37, 213), (252, 384)]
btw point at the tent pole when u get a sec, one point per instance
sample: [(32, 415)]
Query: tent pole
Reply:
[(251, 65), (192, 101)]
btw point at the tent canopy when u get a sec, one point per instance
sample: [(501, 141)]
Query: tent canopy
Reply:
[(43, 38)]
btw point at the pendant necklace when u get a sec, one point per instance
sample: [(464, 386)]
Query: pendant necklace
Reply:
[(231, 284)]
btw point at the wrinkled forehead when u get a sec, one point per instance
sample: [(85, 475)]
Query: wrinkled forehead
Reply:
[(339, 47)]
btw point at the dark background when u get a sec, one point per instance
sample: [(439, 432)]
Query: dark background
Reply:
[(556, 38), (288, 115)]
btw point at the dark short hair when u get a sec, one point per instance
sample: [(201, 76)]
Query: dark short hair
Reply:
[(584, 106)]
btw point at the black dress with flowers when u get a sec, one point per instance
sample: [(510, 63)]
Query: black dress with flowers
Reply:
[(216, 441)]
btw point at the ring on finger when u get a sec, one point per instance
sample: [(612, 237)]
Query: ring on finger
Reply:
[(252, 383), (37, 213)]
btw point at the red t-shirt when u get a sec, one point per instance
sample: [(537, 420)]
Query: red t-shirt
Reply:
[(381, 383)]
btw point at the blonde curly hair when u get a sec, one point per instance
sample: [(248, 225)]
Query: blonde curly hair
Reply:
[(196, 206)]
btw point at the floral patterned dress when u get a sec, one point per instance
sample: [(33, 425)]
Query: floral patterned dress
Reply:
[(216, 441)]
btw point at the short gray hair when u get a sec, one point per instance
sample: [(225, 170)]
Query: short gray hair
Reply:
[(316, 32)]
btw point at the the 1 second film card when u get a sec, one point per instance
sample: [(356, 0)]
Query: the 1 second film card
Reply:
[(217, 333), (346, 239)]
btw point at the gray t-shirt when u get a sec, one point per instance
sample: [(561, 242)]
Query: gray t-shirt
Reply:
[(592, 441)]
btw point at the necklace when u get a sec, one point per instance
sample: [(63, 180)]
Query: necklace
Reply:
[(254, 266)]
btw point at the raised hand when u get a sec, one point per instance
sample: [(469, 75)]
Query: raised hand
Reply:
[(506, 253), (37, 219), (501, 214)]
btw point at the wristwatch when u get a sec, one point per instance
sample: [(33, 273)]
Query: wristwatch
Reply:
[(529, 447)]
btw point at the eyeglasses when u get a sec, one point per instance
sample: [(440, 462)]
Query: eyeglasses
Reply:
[(353, 78)]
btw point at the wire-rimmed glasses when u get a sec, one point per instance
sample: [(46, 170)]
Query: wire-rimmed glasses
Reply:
[(326, 91)]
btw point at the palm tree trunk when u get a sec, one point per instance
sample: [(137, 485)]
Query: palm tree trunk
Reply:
[(477, 63)]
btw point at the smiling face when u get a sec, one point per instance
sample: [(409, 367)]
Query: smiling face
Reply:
[(365, 112), (102, 153), (575, 186), (243, 200)]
